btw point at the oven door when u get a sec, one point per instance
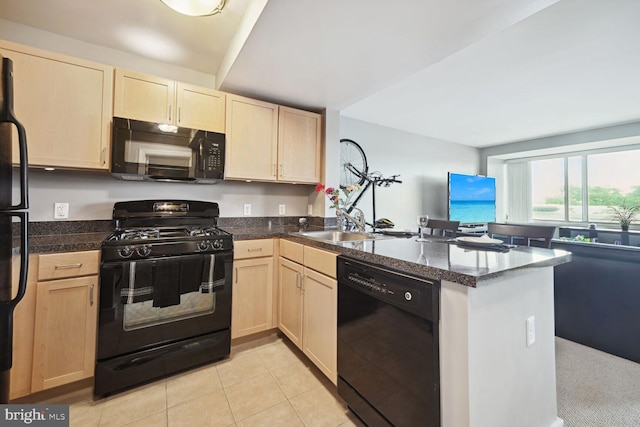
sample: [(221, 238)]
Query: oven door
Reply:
[(159, 301)]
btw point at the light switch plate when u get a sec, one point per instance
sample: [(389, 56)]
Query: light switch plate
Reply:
[(281, 209), (247, 208)]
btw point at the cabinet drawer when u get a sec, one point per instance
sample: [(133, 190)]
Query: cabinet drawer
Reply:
[(252, 248), (320, 260), (291, 250), (68, 264)]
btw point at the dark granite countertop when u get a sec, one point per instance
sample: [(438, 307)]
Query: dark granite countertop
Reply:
[(63, 242), (436, 259)]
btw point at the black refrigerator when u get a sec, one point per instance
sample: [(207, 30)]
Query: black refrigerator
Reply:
[(10, 213)]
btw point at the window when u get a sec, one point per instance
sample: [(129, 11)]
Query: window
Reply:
[(547, 189), (580, 188)]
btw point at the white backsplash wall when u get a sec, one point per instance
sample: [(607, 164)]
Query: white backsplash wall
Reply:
[(422, 163), (91, 196)]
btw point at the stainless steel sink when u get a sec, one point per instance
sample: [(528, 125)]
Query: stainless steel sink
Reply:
[(339, 236)]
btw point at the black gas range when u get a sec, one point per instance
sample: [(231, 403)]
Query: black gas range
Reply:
[(165, 292), (149, 228)]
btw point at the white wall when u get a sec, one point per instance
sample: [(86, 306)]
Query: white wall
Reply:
[(422, 163), (91, 196)]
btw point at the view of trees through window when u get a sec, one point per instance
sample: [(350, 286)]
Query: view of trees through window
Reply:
[(602, 179)]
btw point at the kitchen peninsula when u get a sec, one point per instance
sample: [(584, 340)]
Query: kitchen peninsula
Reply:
[(490, 375)]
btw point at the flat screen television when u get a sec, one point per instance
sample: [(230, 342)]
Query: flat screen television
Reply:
[(472, 199)]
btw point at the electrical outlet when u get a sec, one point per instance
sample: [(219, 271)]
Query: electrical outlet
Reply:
[(309, 209), (61, 210), (281, 209), (247, 208), (531, 331)]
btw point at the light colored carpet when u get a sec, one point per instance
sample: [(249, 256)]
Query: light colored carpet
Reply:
[(596, 389)]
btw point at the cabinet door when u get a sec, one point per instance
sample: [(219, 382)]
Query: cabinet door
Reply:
[(290, 300), (143, 97), (200, 108), (65, 104), (252, 306), (23, 325), (299, 145), (65, 332), (252, 135), (321, 322)]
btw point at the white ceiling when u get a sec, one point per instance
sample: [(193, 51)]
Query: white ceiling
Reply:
[(476, 72)]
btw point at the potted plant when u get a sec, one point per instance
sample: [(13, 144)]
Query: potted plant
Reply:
[(624, 215)]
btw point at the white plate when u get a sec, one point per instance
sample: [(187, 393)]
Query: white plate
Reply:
[(484, 240)]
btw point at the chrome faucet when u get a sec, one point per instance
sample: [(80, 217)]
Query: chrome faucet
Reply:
[(356, 221)]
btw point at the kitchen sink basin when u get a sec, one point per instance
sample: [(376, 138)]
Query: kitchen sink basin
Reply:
[(339, 236)]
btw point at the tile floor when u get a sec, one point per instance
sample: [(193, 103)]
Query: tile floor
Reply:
[(267, 382)]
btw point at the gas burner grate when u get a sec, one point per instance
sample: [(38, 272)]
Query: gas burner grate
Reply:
[(205, 231), (139, 234)]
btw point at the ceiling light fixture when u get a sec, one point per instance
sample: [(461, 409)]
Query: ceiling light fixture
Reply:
[(196, 7)]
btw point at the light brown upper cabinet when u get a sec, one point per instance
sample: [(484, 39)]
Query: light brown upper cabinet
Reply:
[(252, 138), (299, 145), (158, 100), (267, 142), (65, 105)]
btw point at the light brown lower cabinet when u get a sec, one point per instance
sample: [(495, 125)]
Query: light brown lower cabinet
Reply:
[(55, 324), (320, 321), (65, 332), (308, 302), (290, 300), (252, 297)]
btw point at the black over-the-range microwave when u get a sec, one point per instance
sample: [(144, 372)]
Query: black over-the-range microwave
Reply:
[(159, 152)]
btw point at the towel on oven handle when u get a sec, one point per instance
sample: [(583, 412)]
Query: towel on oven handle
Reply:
[(212, 273), (166, 282), (136, 280)]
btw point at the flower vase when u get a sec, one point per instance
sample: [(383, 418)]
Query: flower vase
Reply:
[(624, 227)]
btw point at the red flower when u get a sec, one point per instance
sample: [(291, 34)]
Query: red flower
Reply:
[(319, 188), (330, 190)]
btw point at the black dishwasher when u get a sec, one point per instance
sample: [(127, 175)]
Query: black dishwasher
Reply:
[(388, 355)]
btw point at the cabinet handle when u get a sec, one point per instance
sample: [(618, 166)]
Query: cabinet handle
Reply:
[(103, 155), (254, 250), (297, 280), (91, 294), (68, 266), (179, 114), (170, 112), (236, 274)]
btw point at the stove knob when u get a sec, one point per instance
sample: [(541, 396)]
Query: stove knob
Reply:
[(125, 252), (203, 245), (144, 251), (217, 244)]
